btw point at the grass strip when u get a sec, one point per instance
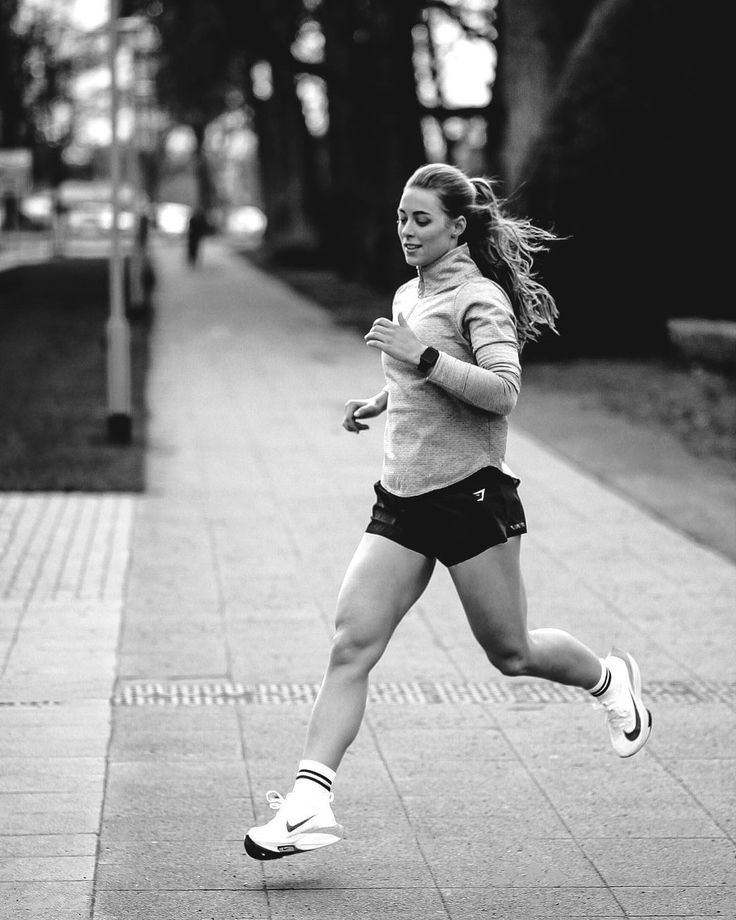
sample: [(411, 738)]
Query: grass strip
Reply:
[(53, 391)]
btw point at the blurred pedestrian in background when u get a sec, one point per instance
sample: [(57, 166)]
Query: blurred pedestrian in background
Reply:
[(450, 357), (197, 228)]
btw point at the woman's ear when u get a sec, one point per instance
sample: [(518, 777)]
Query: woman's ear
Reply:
[(459, 225)]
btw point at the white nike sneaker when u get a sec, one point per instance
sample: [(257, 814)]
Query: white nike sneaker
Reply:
[(299, 826), (629, 721)]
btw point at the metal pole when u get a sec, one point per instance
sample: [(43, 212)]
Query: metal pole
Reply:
[(119, 422), (137, 294)]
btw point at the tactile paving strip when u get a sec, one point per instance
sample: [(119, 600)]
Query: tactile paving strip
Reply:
[(63, 546), (219, 693)]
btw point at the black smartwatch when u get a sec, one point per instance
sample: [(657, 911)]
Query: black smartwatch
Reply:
[(428, 359)]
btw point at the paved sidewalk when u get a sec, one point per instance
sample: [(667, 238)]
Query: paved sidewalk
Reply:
[(160, 653)]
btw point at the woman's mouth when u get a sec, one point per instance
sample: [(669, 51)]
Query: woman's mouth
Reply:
[(411, 247)]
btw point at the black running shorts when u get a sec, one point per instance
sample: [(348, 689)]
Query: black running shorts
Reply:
[(455, 523)]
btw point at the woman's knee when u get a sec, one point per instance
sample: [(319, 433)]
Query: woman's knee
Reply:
[(352, 648), (512, 662)]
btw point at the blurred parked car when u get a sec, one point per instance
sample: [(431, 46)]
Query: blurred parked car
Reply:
[(93, 217), (87, 207)]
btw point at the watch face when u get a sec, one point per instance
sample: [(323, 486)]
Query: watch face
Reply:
[(429, 358)]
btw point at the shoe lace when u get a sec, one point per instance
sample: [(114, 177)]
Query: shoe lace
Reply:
[(275, 799), (618, 716)]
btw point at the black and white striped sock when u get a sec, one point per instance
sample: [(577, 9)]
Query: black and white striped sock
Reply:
[(313, 778), (603, 684)]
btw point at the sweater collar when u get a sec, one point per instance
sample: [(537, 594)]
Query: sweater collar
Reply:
[(446, 271)]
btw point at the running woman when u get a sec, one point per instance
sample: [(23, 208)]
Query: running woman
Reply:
[(450, 357)]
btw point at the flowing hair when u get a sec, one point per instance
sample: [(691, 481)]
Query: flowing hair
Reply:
[(503, 247)]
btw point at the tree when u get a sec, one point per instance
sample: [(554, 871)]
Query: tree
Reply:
[(268, 31), (375, 136), (534, 39), (31, 77), (14, 120), (623, 145), (194, 78), (208, 55)]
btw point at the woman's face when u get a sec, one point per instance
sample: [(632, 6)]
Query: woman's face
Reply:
[(425, 231)]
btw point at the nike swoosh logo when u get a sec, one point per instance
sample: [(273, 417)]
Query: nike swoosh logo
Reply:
[(292, 827), (634, 733)]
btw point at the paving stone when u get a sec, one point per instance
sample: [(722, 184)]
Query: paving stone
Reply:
[(712, 783), (504, 862), (175, 734), (46, 868), (47, 813), (238, 904), (80, 775), (699, 900), (518, 903), (607, 799), (703, 731), (48, 845), (665, 862), (172, 864), (52, 822), (568, 730), (177, 780), (39, 900), (356, 903), (177, 657), (80, 715), (371, 864), (53, 741), (121, 830), (472, 722)]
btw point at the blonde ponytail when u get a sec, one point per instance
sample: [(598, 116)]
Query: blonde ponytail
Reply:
[(502, 246)]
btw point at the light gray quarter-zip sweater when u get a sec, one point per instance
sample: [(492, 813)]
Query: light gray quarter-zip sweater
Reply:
[(442, 427)]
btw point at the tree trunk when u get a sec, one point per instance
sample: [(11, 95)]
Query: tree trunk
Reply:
[(202, 175), (534, 40), (285, 149), (375, 135), (613, 167), (282, 160)]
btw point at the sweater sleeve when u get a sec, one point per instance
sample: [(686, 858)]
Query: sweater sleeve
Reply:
[(486, 321)]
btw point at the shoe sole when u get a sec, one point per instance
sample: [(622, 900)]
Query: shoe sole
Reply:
[(635, 680), (256, 851)]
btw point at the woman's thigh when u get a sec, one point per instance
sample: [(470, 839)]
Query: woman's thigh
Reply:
[(492, 593), (382, 582)]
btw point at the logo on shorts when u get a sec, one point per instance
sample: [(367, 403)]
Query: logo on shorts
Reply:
[(480, 495), (516, 527)]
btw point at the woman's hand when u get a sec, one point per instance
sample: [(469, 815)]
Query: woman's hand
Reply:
[(395, 339), (363, 408)]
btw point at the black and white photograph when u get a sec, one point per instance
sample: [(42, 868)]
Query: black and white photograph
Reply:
[(367, 461)]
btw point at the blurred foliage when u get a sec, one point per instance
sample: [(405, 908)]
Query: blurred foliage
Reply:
[(599, 125), (31, 76), (625, 166), (595, 128), (53, 369), (329, 196)]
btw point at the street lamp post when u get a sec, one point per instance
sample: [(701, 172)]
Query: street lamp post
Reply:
[(119, 403)]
